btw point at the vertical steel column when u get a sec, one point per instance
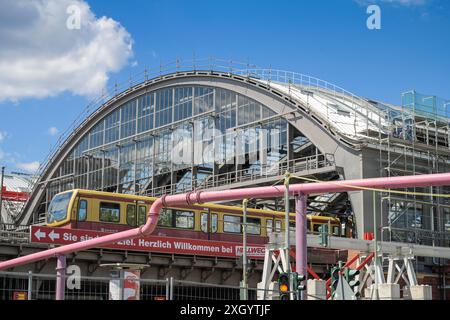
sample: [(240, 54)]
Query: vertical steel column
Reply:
[(286, 220), (171, 288), (30, 285), (1, 194), (301, 247), (60, 277), (244, 250)]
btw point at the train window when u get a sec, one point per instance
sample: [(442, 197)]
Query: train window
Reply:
[(109, 212), (82, 210), (253, 225), (269, 226), (291, 225), (316, 227), (165, 218), (336, 230), (232, 224), (277, 225), (142, 215), (204, 222), (214, 222), (176, 219), (131, 214), (184, 219)]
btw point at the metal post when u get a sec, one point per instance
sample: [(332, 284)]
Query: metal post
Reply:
[(244, 250), (375, 261), (171, 289), (1, 194), (286, 222), (286, 229), (301, 247), (167, 289), (60, 277), (30, 285)]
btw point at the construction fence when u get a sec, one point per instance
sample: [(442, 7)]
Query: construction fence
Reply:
[(34, 286)]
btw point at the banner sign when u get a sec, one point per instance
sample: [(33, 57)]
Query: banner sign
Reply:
[(62, 236)]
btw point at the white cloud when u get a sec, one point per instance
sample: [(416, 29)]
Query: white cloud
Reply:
[(3, 135), (28, 166), (407, 3), (53, 131), (40, 56)]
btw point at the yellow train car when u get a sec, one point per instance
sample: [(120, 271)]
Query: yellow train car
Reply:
[(112, 212)]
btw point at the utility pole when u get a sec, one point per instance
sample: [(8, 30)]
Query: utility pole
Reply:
[(286, 224), (375, 239), (1, 193), (244, 250)]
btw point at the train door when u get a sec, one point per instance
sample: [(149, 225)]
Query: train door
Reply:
[(208, 224), (142, 214), (131, 214)]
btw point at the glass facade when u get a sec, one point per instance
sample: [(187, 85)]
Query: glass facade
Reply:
[(210, 131)]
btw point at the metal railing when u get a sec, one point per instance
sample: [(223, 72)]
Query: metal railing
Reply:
[(35, 286), (11, 233), (303, 165), (418, 236)]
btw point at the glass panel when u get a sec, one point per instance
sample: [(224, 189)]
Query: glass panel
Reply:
[(96, 135), (109, 212), (204, 222), (183, 103), (253, 225), (82, 210), (336, 231), (131, 214), (128, 119), (163, 107), (184, 219), (142, 216), (231, 224), (146, 109), (214, 221), (277, 225), (269, 226), (57, 211), (203, 99), (165, 218), (112, 123)]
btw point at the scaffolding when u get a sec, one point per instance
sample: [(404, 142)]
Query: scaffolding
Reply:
[(417, 142)]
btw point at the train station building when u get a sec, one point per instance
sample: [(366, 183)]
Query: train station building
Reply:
[(219, 128)]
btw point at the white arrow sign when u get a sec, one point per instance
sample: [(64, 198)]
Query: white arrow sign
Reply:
[(53, 235), (39, 234)]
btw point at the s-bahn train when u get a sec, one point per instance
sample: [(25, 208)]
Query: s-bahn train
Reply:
[(113, 212)]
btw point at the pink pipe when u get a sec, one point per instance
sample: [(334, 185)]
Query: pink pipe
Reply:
[(301, 247), (194, 197)]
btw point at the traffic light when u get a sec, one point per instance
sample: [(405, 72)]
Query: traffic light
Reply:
[(334, 280), (323, 229), (350, 276), (283, 285)]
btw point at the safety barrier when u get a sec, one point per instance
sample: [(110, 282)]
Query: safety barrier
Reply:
[(36, 286)]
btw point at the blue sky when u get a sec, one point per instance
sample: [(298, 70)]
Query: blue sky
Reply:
[(326, 39)]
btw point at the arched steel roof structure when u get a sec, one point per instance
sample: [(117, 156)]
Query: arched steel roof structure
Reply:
[(324, 131)]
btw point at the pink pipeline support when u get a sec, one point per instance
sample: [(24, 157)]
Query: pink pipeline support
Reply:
[(195, 197), (60, 277), (301, 247)]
